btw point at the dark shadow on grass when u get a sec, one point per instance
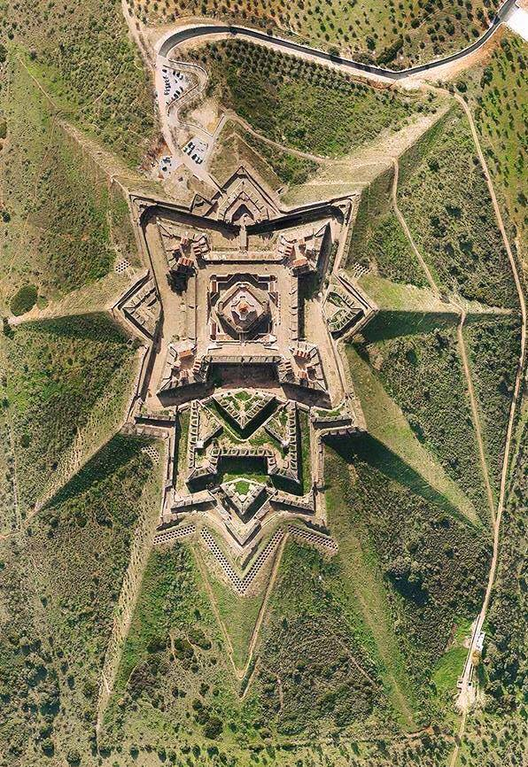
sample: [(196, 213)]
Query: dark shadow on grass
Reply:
[(371, 451), (391, 324), (116, 453), (96, 326)]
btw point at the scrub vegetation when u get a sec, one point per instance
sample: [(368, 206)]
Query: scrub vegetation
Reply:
[(58, 235), (388, 33), (283, 98), (448, 209), (496, 93), (54, 630), (76, 49), (60, 371), (423, 374), (433, 564), (494, 352)]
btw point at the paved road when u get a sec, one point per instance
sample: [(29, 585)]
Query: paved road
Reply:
[(207, 30)]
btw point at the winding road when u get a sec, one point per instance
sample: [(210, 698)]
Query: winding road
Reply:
[(200, 31)]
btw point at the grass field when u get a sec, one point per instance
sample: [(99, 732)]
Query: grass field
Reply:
[(239, 615), (55, 629), (449, 667), (423, 374), (387, 33), (82, 54), (58, 236), (283, 98), (404, 309), (62, 375), (448, 209)]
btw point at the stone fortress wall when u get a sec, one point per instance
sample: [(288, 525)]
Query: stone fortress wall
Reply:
[(220, 313)]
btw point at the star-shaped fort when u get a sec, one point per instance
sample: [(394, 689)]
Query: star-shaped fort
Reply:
[(242, 310)]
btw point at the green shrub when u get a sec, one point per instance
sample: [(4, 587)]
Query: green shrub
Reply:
[(24, 300)]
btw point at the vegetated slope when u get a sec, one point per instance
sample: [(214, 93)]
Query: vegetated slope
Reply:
[(238, 614), (404, 309), (497, 94), (423, 374), (60, 581), (314, 673), (396, 34), (363, 581), (378, 240), (81, 51), (61, 373), (56, 201), (434, 565), (404, 457), (174, 689), (285, 98), (494, 738), (8, 488), (493, 348), (276, 167), (498, 735), (448, 209), (507, 651), (239, 147)]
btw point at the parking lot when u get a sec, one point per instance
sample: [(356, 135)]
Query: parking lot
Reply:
[(175, 84), (196, 149)]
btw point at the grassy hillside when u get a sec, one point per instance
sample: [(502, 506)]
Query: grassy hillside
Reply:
[(54, 630), (494, 348), (496, 95), (65, 375), (423, 374), (313, 671), (394, 444), (174, 686), (82, 53), (433, 565), (239, 147), (378, 240), (57, 236), (390, 33), (284, 97), (448, 209), (364, 583)]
